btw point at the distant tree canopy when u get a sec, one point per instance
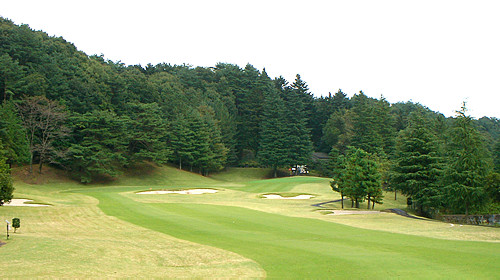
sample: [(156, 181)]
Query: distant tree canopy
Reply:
[(96, 117)]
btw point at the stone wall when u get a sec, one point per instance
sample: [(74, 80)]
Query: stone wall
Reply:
[(483, 220)]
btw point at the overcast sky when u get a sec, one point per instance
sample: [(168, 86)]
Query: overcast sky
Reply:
[(437, 53)]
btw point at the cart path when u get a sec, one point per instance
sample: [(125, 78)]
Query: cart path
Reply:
[(321, 204)]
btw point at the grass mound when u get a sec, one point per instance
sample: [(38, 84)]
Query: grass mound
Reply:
[(239, 174)]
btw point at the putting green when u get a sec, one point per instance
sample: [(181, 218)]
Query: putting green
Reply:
[(289, 247)]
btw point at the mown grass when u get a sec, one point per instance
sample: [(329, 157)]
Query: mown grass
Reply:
[(297, 248), (75, 239), (108, 231)]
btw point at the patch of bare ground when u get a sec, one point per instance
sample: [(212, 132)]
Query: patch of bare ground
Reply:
[(48, 174)]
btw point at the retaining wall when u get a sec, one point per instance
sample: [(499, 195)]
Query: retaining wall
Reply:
[(484, 220)]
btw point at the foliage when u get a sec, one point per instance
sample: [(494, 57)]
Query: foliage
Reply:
[(147, 133), (416, 169), (16, 223), (273, 149), (12, 134), (44, 121), (200, 118), (6, 187), (467, 168), (360, 177), (99, 145)]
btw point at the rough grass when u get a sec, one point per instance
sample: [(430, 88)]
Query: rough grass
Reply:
[(75, 239), (108, 231)]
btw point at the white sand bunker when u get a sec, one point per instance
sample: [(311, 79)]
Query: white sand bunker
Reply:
[(192, 191), (22, 202), (347, 212), (277, 196)]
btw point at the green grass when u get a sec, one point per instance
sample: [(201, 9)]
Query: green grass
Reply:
[(108, 231), (288, 247), (240, 175)]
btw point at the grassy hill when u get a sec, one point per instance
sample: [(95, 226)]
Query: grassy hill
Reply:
[(107, 230)]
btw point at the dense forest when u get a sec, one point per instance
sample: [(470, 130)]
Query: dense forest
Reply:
[(96, 118)]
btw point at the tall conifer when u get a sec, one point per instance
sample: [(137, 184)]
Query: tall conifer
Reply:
[(467, 167)]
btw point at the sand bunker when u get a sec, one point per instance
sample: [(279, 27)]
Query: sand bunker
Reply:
[(192, 191), (347, 212), (22, 202), (277, 196)]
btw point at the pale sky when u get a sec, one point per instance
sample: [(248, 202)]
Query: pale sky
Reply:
[(437, 53)]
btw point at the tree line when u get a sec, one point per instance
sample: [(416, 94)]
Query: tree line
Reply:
[(96, 118)]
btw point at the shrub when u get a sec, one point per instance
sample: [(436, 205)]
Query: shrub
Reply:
[(16, 223)]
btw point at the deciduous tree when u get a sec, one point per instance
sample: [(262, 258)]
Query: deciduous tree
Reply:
[(44, 121)]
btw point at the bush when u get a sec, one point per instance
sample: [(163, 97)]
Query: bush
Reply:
[(16, 223)]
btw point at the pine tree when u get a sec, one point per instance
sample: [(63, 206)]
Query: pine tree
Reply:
[(297, 135), (182, 141), (148, 133), (273, 151), (416, 169), (467, 167), (99, 146)]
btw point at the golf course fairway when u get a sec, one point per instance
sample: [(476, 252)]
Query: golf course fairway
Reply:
[(108, 230), (298, 248)]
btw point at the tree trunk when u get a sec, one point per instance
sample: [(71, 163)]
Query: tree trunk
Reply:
[(180, 163), (352, 203), (368, 207), (357, 203), (342, 200), (395, 194), (275, 172), (31, 163), (373, 204), (40, 166)]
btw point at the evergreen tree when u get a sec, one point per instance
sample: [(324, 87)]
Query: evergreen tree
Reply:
[(148, 133), (496, 156), (273, 151), (302, 90), (182, 141), (360, 177), (216, 155), (10, 73), (416, 169), (297, 135), (6, 187), (334, 131), (362, 125), (467, 167), (12, 134), (325, 108), (99, 145)]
